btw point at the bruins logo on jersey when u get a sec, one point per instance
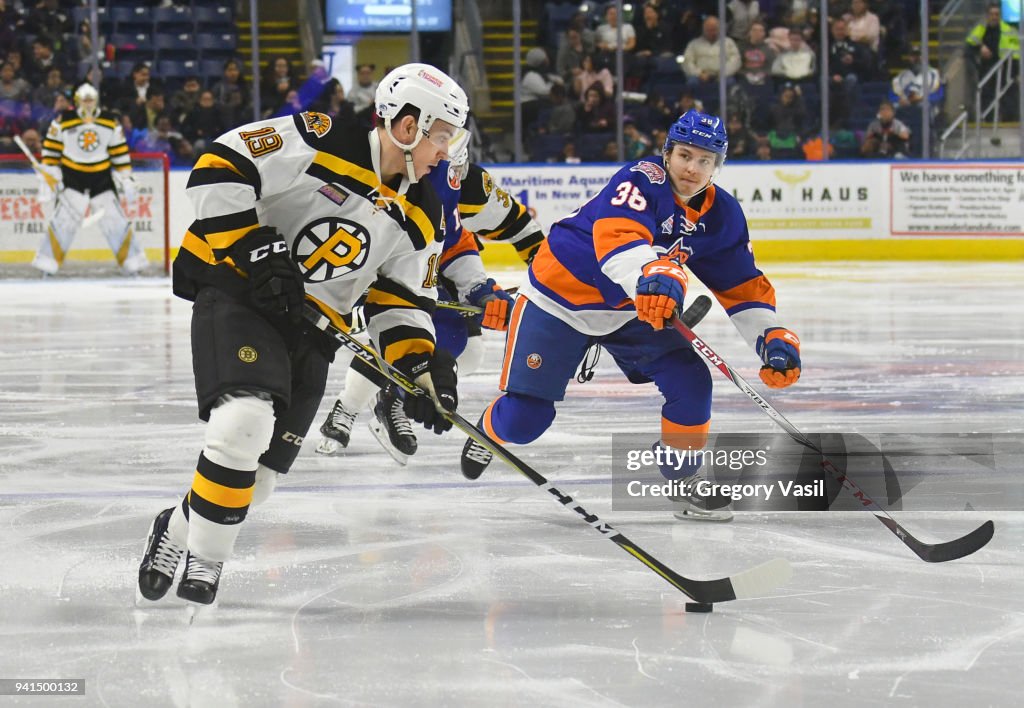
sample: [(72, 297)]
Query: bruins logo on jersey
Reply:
[(488, 184), (88, 140), (318, 123), (330, 248)]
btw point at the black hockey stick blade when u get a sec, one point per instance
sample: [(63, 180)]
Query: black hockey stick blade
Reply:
[(696, 311), (942, 552), (754, 582)]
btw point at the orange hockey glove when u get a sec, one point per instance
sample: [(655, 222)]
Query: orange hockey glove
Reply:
[(659, 291)]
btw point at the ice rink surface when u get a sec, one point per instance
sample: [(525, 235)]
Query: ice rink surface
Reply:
[(363, 583)]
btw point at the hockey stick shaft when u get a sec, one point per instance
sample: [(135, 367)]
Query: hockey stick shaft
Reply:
[(932, 553), (50, 179), (751, 583)]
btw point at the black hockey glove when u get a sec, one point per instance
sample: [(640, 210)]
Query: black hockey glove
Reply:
[(275, 282), (435, 374)]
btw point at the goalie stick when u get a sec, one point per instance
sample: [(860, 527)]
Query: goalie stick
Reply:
[(54, 183), (929, 552), (750, 583)]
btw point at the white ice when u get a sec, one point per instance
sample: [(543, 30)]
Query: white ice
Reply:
[(363, 583)]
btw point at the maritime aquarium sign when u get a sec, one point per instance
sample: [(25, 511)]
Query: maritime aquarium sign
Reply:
[(359, 16)]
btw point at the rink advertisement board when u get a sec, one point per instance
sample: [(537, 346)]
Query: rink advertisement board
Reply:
[(956, 200)]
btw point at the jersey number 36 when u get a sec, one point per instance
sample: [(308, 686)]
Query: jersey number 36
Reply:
[(629, 194)]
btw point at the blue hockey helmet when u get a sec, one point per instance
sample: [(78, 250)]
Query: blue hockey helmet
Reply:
[(700, 130)]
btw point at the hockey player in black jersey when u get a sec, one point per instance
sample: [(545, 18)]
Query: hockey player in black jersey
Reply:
[(292, 213)]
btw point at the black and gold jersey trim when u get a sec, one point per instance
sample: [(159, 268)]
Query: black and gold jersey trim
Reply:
[(231, 159), (386, 294)]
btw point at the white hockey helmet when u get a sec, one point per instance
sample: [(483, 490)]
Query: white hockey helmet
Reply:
[(431, 91), (87, 101)]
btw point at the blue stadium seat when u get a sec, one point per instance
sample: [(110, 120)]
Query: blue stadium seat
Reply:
[(123, 67), (590, 146), (546, 147), (141, 42), (213, 19), (172, 19), (131, 19), (171, 69), (217, 44), (174, 46), (211, 69)]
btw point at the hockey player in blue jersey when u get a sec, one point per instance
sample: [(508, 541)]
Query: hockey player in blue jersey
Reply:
[(612, 273)]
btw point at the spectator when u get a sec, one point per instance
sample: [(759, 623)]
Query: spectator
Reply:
[(15, 119), (363, 93), (231, 93), (596, 114), (562, 119), (701, 60), (62, 101), (787, 122), (164, 138), (145, 117), (570, 56), (44, 58), (204, 123), (15, 57), (743, 14), (989, 42), (133, 94), (44, 95), (608, 34), (11, 87), (10, 19), (536, 83), (849, 62), (756, 56), (581, 23), (185, 99), (32, 140), (658, 136), (276, 83), (634, 143), (687, 102), (797, 63), (886, 136), (653, 36), (908, 89), (742, 142), (568, 154), (864, 25), (49, 19), (610, 152), (334, 103), (589, 75), (81, 49), (657, 113)]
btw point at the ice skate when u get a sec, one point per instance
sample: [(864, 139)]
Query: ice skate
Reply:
[(200, 580), (337, 430), (391, 427), (160, 559), (692, 506), (475, 458)]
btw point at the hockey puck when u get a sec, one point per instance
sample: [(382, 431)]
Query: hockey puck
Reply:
[(699, 607)]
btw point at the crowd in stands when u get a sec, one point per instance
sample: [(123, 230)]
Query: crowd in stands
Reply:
[(46, 49), (672, 61)]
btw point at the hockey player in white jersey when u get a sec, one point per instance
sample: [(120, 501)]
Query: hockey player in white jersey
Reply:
[(295, 213), (85, 152)]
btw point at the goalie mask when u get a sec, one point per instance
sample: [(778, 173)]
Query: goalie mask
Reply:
[(87, 101), (431, 91)]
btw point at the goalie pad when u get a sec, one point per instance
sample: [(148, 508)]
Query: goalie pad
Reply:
[(61, 231)]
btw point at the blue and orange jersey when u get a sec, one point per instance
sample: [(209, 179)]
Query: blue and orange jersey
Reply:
[(586, 271)]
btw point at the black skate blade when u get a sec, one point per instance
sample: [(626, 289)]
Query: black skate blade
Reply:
[(385, 442)]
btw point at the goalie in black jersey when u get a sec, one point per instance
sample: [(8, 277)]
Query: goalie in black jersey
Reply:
[(295, 213)]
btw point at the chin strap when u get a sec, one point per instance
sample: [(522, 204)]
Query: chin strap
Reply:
[(407, 149)]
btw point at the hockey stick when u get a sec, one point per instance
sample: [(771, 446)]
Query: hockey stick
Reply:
[(50, 179), (753, 582), (929, 552), (459, 307)]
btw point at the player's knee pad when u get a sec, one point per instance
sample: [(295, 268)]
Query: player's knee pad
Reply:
[(239, 430), (472, 356), (521, 419), (266, 481)]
